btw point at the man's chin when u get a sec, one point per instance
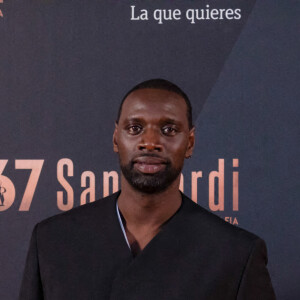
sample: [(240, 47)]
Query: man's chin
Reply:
[(150, 183), (149, 189)]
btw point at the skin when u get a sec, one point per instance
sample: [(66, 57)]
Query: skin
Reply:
[(152, 122)]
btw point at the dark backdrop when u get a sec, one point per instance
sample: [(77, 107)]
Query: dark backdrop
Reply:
[(64, 67)]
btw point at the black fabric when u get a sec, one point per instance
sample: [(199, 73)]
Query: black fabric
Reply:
[(82, 254)]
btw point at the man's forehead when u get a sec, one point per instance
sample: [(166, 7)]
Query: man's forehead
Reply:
[(157, 101)]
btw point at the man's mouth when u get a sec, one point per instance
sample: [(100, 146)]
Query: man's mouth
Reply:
[(149, 164)]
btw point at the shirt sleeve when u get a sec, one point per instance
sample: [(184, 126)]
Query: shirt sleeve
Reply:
[(256, 282), (31, 287)]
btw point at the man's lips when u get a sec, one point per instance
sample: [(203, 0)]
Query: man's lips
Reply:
[(149, 164), (154, 160)]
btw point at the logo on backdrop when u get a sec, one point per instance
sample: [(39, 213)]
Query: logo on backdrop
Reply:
[(65, 194), (1, 13), (2, 192), (7, 189)]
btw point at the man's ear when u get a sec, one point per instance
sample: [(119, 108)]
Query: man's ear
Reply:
[(115, 144), (191, 143)]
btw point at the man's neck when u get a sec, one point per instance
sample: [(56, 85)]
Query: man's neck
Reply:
[(144, 214), (142, 209)]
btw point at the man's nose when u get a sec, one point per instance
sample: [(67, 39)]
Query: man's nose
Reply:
[(150, 141)]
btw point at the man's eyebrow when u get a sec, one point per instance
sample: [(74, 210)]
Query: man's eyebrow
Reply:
[(171, 121), (134, 119), (163, 121)]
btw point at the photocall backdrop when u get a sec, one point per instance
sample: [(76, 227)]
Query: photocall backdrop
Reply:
[(65, 66)]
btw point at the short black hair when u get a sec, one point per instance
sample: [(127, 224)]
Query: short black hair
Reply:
[(161, 84)]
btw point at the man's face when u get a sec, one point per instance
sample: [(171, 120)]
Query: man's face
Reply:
[(152, 139)]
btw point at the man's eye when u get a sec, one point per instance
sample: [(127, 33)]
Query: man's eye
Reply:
[(169, 130), (134, 129)]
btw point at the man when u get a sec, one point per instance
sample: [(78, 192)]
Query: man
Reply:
[(148, 241)]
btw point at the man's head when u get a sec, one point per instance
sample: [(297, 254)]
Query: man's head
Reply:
[(153, 135), (163, 85)]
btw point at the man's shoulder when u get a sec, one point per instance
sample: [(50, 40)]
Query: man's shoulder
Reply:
[(86, 215), (213, 228)]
